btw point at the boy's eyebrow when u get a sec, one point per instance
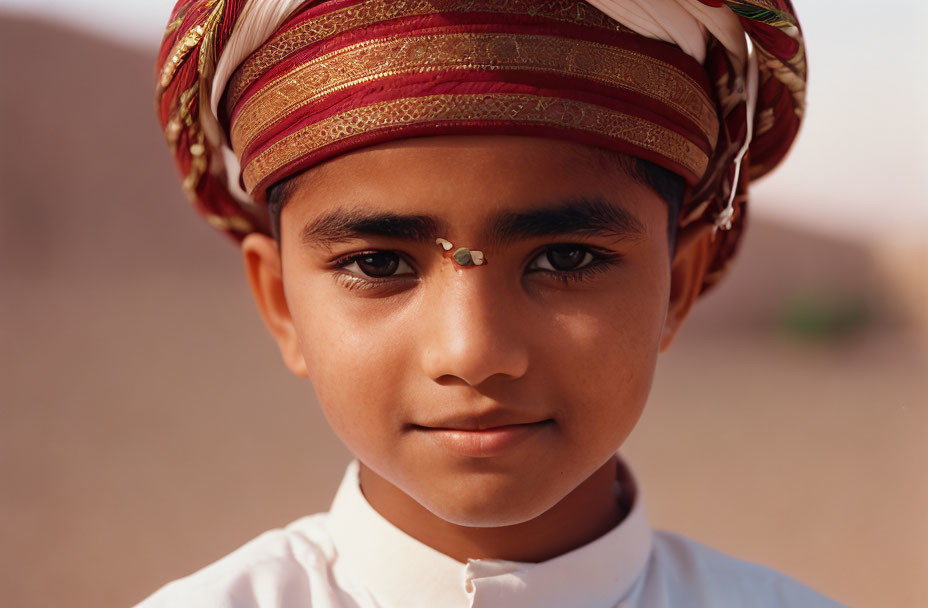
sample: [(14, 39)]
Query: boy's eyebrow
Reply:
[(342, 225), (581, 216)]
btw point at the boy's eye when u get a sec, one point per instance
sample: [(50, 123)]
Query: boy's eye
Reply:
[(377, 264), (563, 258)]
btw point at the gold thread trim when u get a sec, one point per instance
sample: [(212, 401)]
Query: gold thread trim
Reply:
[(232, 223), (179, 53), (463, 109), (378, 59), (376, 11), (171, 27)]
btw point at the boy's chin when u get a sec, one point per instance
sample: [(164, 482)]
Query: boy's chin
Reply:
[(490, 508)]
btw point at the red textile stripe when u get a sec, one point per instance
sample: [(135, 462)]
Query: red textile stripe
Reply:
[(476, 111), (342, 14), (371, 138), (628, 102), (423, 84), (473, 22)]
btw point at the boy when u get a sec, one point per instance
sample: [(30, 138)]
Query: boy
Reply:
[(473, 225)]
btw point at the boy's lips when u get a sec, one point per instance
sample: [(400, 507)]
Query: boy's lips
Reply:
[(475, 438), (481, 422)]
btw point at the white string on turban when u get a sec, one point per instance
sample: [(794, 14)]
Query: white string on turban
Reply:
[(687, 24)]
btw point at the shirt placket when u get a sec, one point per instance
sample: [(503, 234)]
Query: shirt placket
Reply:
[(492, 584)]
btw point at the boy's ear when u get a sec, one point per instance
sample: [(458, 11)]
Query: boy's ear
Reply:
[(687, 270), (262, 265)]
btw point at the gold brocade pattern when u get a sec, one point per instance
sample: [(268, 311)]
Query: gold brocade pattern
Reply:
[(179, 53), (372, 12), (463, 109), (382, 58)]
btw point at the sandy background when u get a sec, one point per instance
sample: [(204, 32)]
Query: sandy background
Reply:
[(147, 426)]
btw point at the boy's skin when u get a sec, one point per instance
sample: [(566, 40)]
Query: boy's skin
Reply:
[(438, 346)]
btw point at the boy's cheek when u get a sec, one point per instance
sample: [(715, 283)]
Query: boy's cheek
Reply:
[(611, 371), (357, 383)]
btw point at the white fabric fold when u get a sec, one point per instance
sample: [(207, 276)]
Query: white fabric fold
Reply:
[(256, 24), (684, 23)]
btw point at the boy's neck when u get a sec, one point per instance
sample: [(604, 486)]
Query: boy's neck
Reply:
[(584, 515)]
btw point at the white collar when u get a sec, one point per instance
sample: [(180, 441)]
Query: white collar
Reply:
[(401, 572)]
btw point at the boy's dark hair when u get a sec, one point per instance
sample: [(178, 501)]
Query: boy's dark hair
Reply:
[(668, 185)]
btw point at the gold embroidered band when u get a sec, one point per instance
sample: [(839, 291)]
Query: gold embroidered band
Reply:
[(379, 59), (449, 109), (365, 14)]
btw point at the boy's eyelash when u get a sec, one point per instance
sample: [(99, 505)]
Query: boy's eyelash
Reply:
[(354, 282), (355, 257), (601, 262)]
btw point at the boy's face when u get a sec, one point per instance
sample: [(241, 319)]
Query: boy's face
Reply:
[(557, 333)]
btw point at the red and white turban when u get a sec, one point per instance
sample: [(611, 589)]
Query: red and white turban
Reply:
[(251, 92)]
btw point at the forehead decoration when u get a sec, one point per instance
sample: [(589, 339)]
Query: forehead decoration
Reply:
[(462, 256), (251, 92)]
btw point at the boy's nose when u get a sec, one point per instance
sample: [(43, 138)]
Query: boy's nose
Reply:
[(473, 331)]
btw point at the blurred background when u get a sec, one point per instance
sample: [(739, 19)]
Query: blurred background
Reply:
[(147, 426)]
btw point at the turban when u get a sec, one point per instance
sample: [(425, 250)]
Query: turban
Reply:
[(251, 92)]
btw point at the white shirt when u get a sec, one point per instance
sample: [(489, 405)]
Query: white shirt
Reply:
[(351, 557)]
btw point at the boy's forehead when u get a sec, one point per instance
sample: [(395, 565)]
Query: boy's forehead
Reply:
[(501, 188), (473, 169)]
